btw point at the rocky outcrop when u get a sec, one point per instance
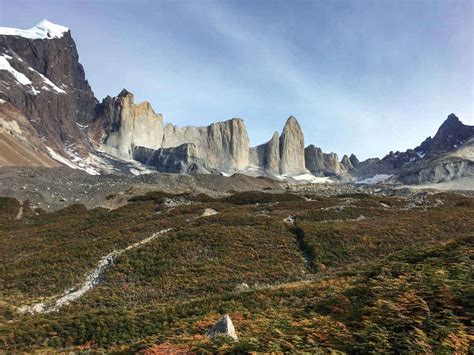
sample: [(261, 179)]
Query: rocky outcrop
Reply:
[(281, 155), (292, 149), (346, 163), (180, 159), (121, 125), (354, 161), (450, 166), (321, 164), (124, 129), (441, 170), (223, 145), (267, 155), (224, 327), (40, 74)]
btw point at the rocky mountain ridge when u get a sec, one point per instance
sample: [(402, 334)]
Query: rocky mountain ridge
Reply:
[(41, 76), (42, 81)]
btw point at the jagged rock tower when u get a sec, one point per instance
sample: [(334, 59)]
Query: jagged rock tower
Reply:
[(292, 148)]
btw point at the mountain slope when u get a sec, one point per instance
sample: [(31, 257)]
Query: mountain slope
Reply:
[(41, 76), (19, 142)]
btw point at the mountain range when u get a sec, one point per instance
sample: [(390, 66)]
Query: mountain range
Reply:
[(123, 233), (49, 116)]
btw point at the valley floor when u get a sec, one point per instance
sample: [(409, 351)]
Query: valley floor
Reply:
[(296, 272)]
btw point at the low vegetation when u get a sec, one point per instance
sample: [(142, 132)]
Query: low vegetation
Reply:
[(353, 273)]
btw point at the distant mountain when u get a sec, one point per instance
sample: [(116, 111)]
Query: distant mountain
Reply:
[(434, 160), (49, 115), (451, 135), (447, 165)]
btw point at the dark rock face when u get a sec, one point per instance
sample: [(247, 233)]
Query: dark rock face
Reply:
[(322, 164), (57, 97), (354, 161), (451, 135), (182, 159)]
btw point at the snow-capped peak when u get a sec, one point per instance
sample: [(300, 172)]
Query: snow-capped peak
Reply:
[(43, 30)]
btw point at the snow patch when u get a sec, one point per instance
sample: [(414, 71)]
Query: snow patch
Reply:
[(134, 171), (33, 91), (48, 82), (374, 179), (76, 163), (308, 178), (5, 65), (43, 30), (2, 101), (82, 126)]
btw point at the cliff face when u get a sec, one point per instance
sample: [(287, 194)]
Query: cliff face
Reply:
[(267, 155), (42, 77), (292, 148), (322, 164), (48, 108), (223, 145), (180, 159), (121, 127), (282, 155), (346, 163)]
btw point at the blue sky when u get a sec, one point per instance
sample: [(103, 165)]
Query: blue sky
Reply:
[(361, 76)]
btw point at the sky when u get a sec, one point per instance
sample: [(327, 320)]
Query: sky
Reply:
[(361, 76)]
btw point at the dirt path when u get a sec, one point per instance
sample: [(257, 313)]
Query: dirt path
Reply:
[(94, 278), (20, 213)]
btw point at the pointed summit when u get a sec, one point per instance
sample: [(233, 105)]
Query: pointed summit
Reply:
[(292, 148), (451, 135), (272, 163), (124, 92), (354, 160), (451, 122), (346, 163), (291, 120)]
